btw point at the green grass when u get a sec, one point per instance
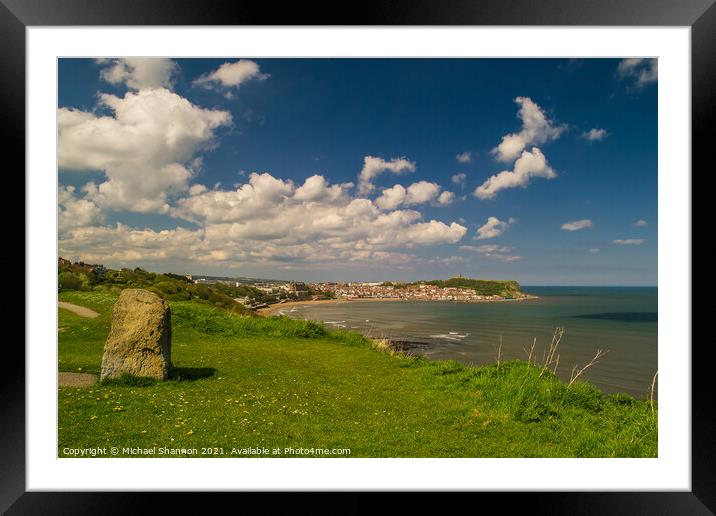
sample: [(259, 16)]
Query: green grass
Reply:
[(277, 383)]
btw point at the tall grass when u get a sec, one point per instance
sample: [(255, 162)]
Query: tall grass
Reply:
[(215, 321)]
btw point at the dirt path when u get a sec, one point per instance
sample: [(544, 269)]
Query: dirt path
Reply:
[(82, 311), (76, 379)]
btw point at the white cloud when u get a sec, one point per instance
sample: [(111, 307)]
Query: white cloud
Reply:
[(435, 232), (497, 252), (528, 165), (459, 179), (121, 244), (373, 166), (269, 221), (139, 73), (316, 188), (576, 225), (640, 223), (464, 157), (197, 189), (594, 250), (391, 198), (536, 130), (74, 212), (494, 227), (248, 202), (268, 209), (146, 148), (629, 241), (446, 198), (421, 192), (641, 71), (595, 134), (231, 75)]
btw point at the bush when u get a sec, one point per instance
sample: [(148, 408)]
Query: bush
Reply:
[(73, 281), (213, 321)]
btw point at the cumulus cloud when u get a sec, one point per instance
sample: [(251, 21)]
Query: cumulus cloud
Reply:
[(536, 130), (139, 73), (316, 188), (576, 225), (497, 252), (391, 198), (629, 241), (459, 179), (374, 166), (595, 134), (322, 236), (528, 165), (269, 220), (74, 212), (197, 189), (421, 192), (247, 202), (446, 198), (464, 157), (435, 232), (231, 76), (639, 70), (494, 227), (120, 244), (146, 148), (639, 223), (271, 209)]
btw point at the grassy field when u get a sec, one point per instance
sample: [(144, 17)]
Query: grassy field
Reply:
[(276, 383)]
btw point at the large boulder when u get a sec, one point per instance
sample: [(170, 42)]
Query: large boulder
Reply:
[(140, 338)]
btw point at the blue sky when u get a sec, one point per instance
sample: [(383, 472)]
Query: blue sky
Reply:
[(539, 170)]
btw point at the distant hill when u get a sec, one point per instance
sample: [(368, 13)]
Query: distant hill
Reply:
[(508, 289)]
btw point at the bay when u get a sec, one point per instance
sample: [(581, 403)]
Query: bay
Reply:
[(622, 320)]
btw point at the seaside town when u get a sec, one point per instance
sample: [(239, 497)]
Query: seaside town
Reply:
[(413, 292), (255, 293), (292, 290)]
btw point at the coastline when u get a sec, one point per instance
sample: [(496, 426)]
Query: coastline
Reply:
[(269, 310)]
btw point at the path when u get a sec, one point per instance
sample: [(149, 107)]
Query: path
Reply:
[(82, 311), (76, 379)]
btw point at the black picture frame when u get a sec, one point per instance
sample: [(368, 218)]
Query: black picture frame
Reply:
[(17, 15)]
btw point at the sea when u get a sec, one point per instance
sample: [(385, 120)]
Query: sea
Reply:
[(620, 320)]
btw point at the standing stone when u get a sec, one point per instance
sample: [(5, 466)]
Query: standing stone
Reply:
[(140, 338)]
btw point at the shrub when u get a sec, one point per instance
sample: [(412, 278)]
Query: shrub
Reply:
[(73, 281)]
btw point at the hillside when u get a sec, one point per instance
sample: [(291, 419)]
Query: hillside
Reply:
[(171, 287), (248, 382), (507, 289)]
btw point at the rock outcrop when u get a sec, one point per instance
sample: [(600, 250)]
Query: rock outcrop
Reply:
[(139, 340)]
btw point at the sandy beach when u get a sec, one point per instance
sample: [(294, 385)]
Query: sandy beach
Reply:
[(273, 309)]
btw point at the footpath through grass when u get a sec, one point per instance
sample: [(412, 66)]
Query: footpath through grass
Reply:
[(242, 384)]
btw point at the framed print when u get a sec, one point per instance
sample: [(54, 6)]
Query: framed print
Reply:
[(440, 249)]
